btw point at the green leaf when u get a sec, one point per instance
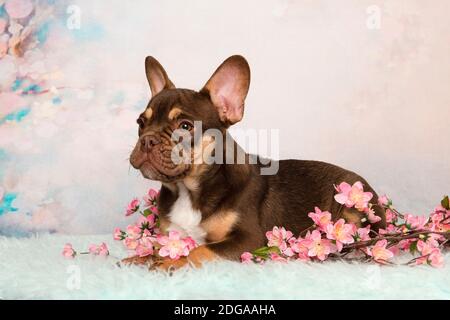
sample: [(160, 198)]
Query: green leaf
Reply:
[(274, 250), (262, 250), (265, 251), (445, 203), (146, 213), (413, 247)]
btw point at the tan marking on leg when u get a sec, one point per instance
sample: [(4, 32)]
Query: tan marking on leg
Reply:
[(136, 260), (148, 113), (352, 216), (219, 226), (174, 113), (169, 264), (200, 255), (196, 258)]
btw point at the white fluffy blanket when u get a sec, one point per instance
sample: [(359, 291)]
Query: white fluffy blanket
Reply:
[(33, 268)]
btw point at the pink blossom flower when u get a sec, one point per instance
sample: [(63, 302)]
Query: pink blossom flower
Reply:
[(132, 207), (415, 222), (130, 243), (379, 252), (190, 243), (154, 210), (118, 234), (147, 222), (430, 254), (134, 232), (363, 233), (150, 199), (320, 218), (383, 200), (101, 250), (405, 245), (68, 251), (276, 257), (435, 258), (371, 215), (145, 245), (424, 247), (353, 195), (390, 229), (395, 249), (301, 247), (433, 240), (319, 247), (246, 257), (92, 249), (421, 260), (172, 246), (441, 210), (391, 216), (440, 219), (278, 237), (288, 251), (341, 232)]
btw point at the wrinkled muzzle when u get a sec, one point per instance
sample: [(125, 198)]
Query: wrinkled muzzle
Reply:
[(153, 156)]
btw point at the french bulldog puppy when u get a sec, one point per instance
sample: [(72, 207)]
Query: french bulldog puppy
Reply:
[(226, 206)]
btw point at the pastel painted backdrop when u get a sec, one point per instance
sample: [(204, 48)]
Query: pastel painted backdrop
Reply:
[(363, 84)]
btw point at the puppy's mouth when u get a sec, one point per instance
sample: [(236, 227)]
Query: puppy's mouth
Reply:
[(150, 171), (158, 166)]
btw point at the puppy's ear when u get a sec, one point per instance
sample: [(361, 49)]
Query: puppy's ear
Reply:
[(228, 88), (157, 76)]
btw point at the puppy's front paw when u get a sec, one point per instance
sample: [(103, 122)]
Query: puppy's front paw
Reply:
[(170, 265), (136, 260)]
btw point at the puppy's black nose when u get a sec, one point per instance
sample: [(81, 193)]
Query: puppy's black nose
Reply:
[(148, 142)]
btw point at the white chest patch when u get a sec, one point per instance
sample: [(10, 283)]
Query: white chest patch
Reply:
[(184, 218)]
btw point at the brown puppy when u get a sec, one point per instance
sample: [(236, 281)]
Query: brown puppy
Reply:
[(226, 207)]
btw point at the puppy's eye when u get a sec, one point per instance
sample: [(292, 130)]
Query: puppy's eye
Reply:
[(186, 125), (141, 123)]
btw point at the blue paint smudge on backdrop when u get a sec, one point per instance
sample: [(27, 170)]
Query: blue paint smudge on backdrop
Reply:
[(3, 155), (33, 88), (56, 100), (16, 116), (118, 99), (21, 114), (90, 32), (42, 32), (141, 104), (6, 203), (3, 158), (17, 84)]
